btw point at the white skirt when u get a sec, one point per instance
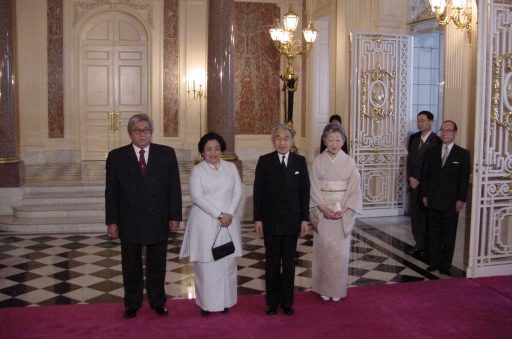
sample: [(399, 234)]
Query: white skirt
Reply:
[(216, 284)]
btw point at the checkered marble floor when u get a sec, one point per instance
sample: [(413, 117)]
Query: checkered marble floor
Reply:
[(67, 269)]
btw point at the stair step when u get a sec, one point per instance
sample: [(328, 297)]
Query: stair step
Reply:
[(59, 210), (65, 188), (52, 225), (61, 224), (77, 188), (69, 210), (71, 199), (39, 197)]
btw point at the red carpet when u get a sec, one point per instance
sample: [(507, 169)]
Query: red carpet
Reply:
[(452, 308)]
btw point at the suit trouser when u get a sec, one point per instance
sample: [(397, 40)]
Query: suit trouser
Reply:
[(133, 279), (418, 214), (280, 253), (442, 233)]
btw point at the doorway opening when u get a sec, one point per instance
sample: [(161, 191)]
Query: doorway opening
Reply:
[(320, 73)]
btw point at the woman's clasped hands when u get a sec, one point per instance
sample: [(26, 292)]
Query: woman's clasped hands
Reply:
[(330, 214), (225, 220)]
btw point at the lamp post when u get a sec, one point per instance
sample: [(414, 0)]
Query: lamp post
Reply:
[(290, 48)]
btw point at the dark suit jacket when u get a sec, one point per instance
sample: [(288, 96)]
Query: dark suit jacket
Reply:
[(281, 198), (443, 186), (142, 205), (416, 155)]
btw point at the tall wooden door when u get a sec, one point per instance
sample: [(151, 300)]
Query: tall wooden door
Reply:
[(114, 81), (381, 94), (491, 217)]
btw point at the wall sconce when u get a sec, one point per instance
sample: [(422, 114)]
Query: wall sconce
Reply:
[(457, 11), (195, 84), (290, 48)]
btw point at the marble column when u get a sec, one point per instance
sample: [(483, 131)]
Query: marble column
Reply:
[(11, 166), (220, 87)]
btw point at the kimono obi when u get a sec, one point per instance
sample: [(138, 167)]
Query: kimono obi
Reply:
[(333, 186), (333, 193)]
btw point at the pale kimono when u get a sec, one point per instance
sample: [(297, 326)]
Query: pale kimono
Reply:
[(336, 184), (213, 191)]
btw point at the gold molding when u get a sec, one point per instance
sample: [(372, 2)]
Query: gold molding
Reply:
[(10, 160), (377, 76), (506, 121)]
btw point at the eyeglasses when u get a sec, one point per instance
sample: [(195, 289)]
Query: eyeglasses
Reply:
[(141, 131), (446, 130)]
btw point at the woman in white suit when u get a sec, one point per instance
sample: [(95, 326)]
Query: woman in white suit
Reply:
[(216, 190)]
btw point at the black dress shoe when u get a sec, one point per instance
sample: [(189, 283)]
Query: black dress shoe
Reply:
[(412, 251), (204, 313), (288, 310), (161, 310), (432, 268), (271, 310), (225, 310), (130, 313), (445, 271)]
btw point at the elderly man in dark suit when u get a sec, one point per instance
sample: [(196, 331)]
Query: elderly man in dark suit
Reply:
[(419, 143), (281, 213), (444, 186), (142, 203)]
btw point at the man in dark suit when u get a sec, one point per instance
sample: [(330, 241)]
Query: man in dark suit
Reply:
[(281, 213), (419, 143), (444, 186), (142, 202)]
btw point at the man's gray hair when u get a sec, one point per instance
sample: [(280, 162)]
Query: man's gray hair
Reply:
[(334, 127), (284, 127), (138, 118)]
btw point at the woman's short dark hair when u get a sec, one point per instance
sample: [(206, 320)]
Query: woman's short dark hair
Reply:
[(211, 136), (335, 117)]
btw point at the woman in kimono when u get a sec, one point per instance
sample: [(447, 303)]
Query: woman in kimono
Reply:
[(335, 200), (216, 190)]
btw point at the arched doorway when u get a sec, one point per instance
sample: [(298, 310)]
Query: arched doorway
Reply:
[(113, 80)]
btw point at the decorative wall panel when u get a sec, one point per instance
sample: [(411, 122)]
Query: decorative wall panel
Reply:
[(55, 69), (256, 66), (171, 69), (381, 101), (491, 235)]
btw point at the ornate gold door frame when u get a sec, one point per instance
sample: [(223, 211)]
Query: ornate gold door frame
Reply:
[(491, 217)]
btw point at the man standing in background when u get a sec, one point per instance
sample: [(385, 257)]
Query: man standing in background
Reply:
[(419, 143), (444, 187)]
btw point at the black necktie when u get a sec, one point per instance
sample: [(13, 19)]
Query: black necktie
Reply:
[(283, 164)]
